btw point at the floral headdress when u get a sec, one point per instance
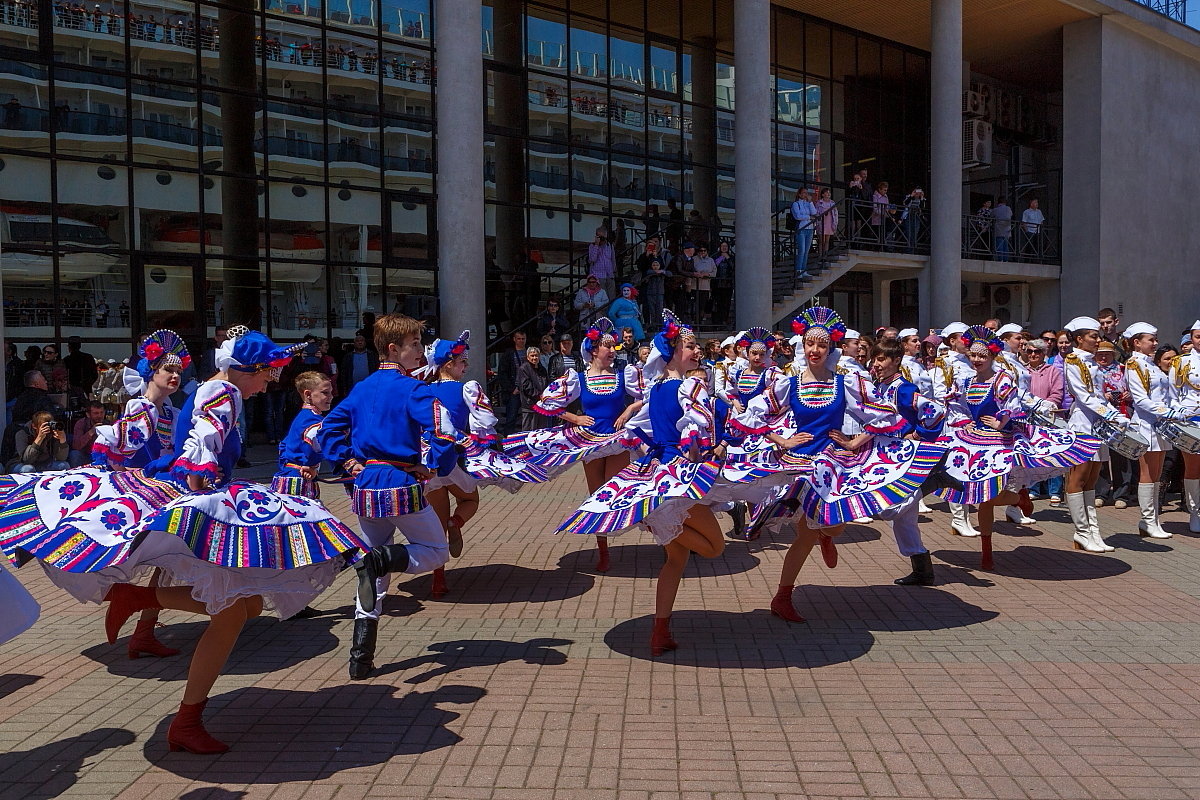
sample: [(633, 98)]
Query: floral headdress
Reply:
[(600, 332), (163, 348), (979, 339), (663, 348), (757, 336), (440, 352), (821, 322)]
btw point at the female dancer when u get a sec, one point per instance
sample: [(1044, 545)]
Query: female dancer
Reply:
[(609, 398), (989, 452), (1185, 377), (669, 490), (1084, 385), (227, 552), (1150, 390), (143, 438), (466, 415), (845, 479)]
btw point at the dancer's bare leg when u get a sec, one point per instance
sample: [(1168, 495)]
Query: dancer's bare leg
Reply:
[(597, 472)]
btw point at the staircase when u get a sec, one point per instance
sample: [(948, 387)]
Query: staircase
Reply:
[(790, 295)]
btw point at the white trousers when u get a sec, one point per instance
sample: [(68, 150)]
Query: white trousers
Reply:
[(905, 527), (426, 545)]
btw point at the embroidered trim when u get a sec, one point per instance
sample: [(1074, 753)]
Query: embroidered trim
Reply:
[(378, 503)]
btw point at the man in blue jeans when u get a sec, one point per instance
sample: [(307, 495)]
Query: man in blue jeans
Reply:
[(803, 214)]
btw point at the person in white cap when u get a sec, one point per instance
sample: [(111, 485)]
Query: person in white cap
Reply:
[(1014, 339), (948, 371), (721, 368), (1185, 378), (1085, 385), (910, 366), (1150, 390)]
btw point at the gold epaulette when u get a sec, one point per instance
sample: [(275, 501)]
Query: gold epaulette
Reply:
[(1181, 365), (1084, 372), (906, 373), (1142, 372)]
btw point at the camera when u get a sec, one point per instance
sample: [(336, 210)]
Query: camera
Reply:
[(56, 425)]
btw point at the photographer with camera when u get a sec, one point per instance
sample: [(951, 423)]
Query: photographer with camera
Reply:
[(41, 445)]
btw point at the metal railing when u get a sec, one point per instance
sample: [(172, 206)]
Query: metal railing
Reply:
[(986, 238), (1175, 9)]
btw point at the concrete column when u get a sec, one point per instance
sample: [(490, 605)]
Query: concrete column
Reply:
[(458, 56), (945, 261), (754, 113), (241, 285), (704, 127)]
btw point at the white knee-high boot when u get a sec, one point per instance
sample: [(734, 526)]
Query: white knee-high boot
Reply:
[(1079, 517), (1148, 502), (960, 520), (1191, 491), (1093, 513)]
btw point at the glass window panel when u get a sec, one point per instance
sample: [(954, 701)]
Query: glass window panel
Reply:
[(789, 42), (664, 69), (627, 60), (589, 50), (725, 85), (307, 10), (89, 120), (816, 49), (589, 179), (546, 41), (24, 109), (816, 103), (662, 19), (549, 176), (627, 122), (408, 155), (406, 19), (549, 107), (407, 81), (20, 25), (789, 99), (170, 293), (507, 174), (356, 289), (217, 272), (505, 101), (665, 125), (361, 15), (589, 115), (725, 148), (630, 13), (845, 57), (664, 184), (352, 66)]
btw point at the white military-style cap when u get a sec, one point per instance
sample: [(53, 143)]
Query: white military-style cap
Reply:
[(904, 334), (1083, 324), (1138, 328), (1011, 327), (852, 334), (953, 328)]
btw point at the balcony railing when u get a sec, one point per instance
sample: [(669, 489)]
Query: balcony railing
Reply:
[(1175, 9), (1002, 240)]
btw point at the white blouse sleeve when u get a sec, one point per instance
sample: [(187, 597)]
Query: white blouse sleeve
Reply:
[(1007, 395), (697, 425), (864, 404), (559, 394), (635, 383), (764, 408), (214, 417), (482, 418), (116, 443)]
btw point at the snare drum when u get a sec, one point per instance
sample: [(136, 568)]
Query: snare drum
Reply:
[(1183, 435), (1120, 440), (1044, 420)]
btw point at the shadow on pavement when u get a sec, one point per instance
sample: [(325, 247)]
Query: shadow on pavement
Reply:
[(52, 769), (212, 793), (1040, 563), (1139, 543), (839, 628), (645, 560), (502, 583), (285, 736), (14, 682), (265, 645), (448, 657)]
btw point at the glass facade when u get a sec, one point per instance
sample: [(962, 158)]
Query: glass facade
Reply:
[(112, 167)]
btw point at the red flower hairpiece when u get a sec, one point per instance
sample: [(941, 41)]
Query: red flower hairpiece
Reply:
[(153, 350), (837, 335), (593, 334), (458, 349), (186, 361), (798, 326), (672, 330)]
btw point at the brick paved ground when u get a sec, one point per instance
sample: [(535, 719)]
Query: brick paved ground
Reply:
[(1061, 674)]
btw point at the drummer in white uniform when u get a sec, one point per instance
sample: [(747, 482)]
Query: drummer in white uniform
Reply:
[(910, 367), (949, 371), (1185, 380), (1085, 386), (1150, 390)]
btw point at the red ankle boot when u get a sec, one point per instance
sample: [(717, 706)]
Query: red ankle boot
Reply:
[(602, 554), (439, 587), (125, 600), (781, 605), (660, 639), (828, 550), (143, 643), (187, 732)]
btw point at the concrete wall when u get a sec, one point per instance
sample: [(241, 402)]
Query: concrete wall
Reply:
[(1131, 135)]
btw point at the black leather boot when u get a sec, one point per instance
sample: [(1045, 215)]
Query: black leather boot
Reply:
[(378, 561), (362, 648), (738, 512), (922, 574)]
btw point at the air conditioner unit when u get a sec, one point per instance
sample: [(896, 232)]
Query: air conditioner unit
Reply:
[(974, 293), (1010, 303), (977, 144), (972, 105)]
